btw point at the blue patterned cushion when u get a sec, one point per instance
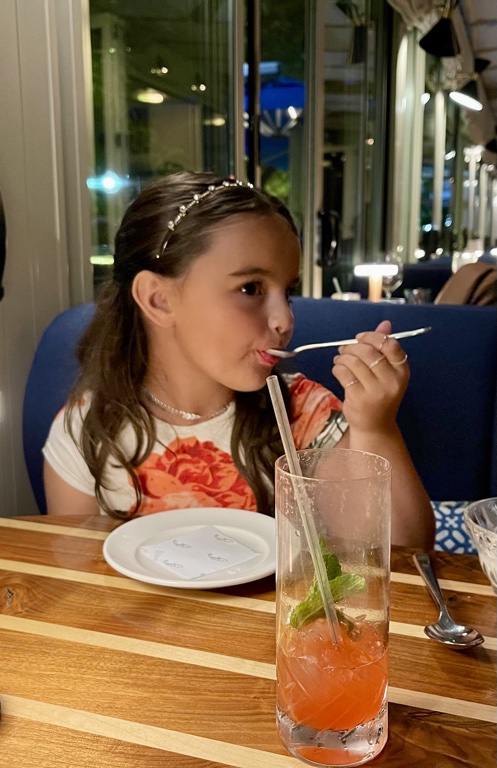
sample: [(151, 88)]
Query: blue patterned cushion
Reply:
[(451, 534)]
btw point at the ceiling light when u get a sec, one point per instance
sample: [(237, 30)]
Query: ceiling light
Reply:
[(441, 40), (467, 96)]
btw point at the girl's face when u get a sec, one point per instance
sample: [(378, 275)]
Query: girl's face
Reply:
[(233, 304)]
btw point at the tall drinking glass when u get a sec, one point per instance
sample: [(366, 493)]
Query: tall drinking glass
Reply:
[(332, 695)]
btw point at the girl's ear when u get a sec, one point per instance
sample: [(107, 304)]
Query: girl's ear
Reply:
[(152, 294)]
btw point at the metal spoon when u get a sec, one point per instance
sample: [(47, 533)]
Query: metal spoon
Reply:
[(292, 352), (445, 630)]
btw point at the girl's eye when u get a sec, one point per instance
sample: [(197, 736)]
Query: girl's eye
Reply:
[(252, 289), (291, 291)]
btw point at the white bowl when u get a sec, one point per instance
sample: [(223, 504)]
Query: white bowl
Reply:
[(480, 518)]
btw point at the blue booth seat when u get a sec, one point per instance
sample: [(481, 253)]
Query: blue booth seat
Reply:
[(53, 372), (449, 414)]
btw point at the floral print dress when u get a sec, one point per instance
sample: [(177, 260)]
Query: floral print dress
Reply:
[(191, 466)]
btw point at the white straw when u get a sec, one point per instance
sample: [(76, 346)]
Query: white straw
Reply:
[(307, 520)]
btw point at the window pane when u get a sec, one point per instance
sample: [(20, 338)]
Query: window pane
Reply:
[(163, 101), (282, 101), (355, 71)]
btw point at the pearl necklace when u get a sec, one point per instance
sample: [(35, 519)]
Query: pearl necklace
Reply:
[(187, 415)]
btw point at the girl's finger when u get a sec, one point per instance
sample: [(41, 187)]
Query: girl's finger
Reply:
[(389, 348)]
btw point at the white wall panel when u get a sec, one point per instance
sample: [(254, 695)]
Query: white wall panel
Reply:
[(36, 275)]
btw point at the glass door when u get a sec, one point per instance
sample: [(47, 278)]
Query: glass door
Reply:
[(355, 75), (167, 96), (282, 102)]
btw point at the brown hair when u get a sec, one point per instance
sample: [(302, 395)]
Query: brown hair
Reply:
[(113, 351)]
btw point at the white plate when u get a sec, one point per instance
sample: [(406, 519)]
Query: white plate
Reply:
[(122, 546)]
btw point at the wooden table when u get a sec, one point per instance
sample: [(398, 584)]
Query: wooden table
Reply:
[(100, 671)]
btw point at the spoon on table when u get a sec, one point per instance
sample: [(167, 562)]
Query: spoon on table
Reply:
[(284, 353), (445, 630)]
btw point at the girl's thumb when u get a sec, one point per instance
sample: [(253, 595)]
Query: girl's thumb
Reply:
[(384, 327)]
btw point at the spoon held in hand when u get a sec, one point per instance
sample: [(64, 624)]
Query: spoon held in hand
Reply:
[(284, 353)]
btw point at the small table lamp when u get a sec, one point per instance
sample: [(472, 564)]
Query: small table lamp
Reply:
[(375, 272)]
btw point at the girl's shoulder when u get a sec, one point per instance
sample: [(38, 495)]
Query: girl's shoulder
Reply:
[(316, 413), (307, 394), (72, 415)]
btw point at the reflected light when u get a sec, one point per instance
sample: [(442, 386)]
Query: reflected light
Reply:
[(217, 121), (425, 97), (292, 113), (102, 261), (419, 253), (150, 96), (109, 182), (450, 155)]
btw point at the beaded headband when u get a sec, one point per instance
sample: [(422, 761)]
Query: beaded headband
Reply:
[(196, 199)]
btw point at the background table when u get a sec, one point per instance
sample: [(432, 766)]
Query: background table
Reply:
[(100, 670), (424, 274)]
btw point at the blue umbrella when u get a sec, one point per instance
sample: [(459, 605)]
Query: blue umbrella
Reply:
[(280, 93), (277, 96)]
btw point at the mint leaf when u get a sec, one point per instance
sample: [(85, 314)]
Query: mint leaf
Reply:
[(341, 586), (346, 585), (309, 609), (331, 562)]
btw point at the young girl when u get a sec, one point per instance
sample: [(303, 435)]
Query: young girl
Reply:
[(171, 409)]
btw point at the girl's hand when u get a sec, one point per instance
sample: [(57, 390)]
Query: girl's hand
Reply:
[(374, 374)]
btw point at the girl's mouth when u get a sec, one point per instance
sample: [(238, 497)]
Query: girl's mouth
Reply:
[(268, 359)]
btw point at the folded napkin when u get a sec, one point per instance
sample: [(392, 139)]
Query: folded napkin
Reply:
[(200, 552)]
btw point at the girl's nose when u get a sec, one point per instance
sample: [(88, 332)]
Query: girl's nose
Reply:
[(281, 315)]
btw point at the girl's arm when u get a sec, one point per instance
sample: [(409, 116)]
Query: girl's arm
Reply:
[(375, 375), (63, 499)]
